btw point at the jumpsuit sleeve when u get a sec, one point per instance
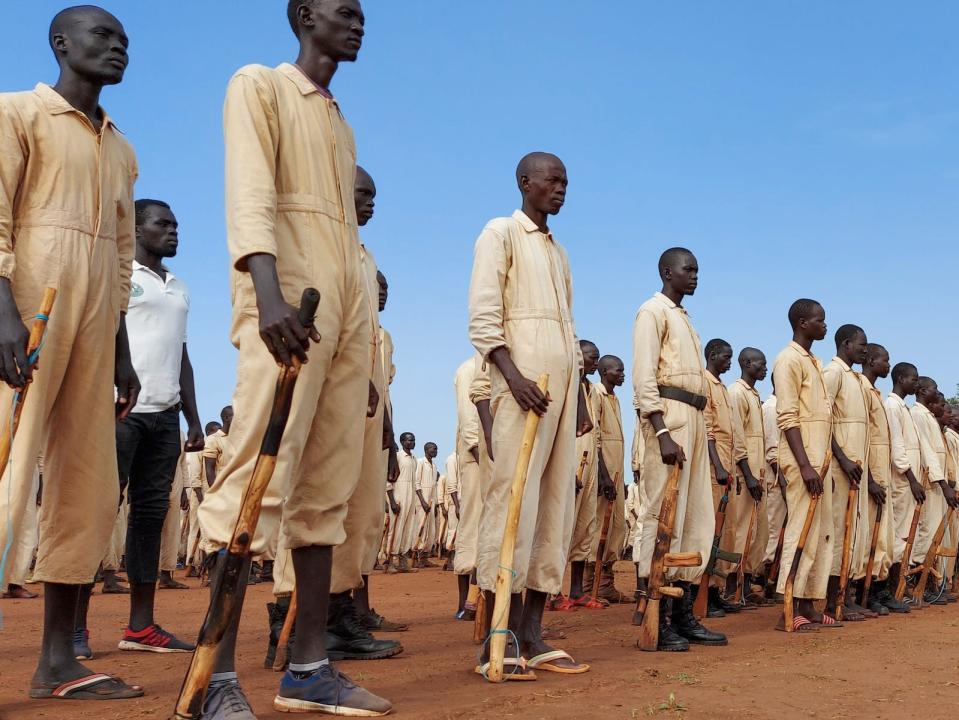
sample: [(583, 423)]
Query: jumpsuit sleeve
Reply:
[(14, 153), (788, 374), (466, 416), (739, 406), (126, 236), (900, 459), (647, 345), (491, 262)]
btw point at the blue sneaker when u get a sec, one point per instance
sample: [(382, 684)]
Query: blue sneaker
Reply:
[(328, 691), (81, 645)]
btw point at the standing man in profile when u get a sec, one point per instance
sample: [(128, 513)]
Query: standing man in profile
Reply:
[(66, 222), (148, 440), (291, 224), (425, 506), (521, 323)]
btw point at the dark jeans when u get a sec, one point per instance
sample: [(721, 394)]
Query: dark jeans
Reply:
[(148, 447)]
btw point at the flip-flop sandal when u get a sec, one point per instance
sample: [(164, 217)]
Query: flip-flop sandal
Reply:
[(802, 624), (546, 661), (587, 602), (119, 590), (512, 670), (831, 622), (561, 604), (91, 687)]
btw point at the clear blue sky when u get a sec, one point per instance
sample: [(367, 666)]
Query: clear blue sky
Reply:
[(800, 149)]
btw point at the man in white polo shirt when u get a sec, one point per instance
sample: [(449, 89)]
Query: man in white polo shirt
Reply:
[(148, 440)]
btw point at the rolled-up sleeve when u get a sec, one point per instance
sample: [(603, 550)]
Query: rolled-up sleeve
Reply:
[(480, 387), (486, 305), (647, 344), (738, 408), (13, 159), (418, 475), (897, 446), (770, 434), (467, 419), (251, 134), (788, 377)]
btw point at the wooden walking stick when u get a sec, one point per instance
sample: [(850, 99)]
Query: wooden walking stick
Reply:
[(224, 600), (741, 568), (39, 327), (480, 626), (657, 587), (797, 556), (382, 556), (279, 661), (603, 540), (580, 470), (852, 501), (935, 551), (777, 556), (867, 581), (701, 604), (504, 576), (904, 571)]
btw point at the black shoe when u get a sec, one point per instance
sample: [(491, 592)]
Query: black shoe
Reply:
[(347, 637), (669, 639), (686, 624), (890, 602), (267, 572), (877, 607), (934, 597), (277, 612), (716, 600)]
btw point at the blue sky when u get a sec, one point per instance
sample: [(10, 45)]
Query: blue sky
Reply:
[(799, 149)]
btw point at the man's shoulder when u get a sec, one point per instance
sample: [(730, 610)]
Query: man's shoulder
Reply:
[(501, 226), (257, 72), (20, 101)]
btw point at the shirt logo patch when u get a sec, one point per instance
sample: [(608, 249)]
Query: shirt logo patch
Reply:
[(136, 290)]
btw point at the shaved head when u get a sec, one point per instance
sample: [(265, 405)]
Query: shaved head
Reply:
[(362, 176), (927, 384), (750, 353), (609, 362), (801, 310), (531, 162), (64, 20), (672, 258)]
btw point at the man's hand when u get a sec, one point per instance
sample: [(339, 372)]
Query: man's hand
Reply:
[(372, 401), (583, 424), (474, 453), (812, 480), (14, 337), (199, 494), (128, 386), (876, 491), (949, 494), (606, 487), (392, 465), (851, 470), (280, 327), (394, 507), (425, 506), (754, 487), (722, 476), (671, 452), (918, 492), (184, 500), (781, 481), (194, 439), (528, 395)]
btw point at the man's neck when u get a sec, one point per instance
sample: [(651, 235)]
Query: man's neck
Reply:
[(81, 93), (751, 381), (537, 216), (802, 341), (849, 361), (896, 390), (870, 375), (713, 371), (674, 295), (150, 260), (316, 65), (610, 388)]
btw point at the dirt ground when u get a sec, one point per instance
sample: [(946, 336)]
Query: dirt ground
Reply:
[(895, 667)]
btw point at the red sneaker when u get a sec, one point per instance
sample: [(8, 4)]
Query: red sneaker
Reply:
[(153, 639)]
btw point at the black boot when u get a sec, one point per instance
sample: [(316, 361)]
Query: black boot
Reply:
[(718, 606), (669, 639), (266, 574), (686, 624), (277, 612), (347, 637), (885, 596)]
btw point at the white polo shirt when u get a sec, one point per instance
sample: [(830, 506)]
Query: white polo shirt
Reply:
[(156, 324)]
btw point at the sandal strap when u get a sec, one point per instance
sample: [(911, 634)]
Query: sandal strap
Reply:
[(68, 688)]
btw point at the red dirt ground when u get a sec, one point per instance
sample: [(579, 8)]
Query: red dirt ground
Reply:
[(895, 667)]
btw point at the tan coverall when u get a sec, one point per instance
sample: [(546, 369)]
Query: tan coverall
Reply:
[(667, 351), (197, 482), (467, 540), (850, 427), (521, 299), (641, 506), (290, 170), (118, 538), (802, 402), (906, 455), (748, 412), (775, 501), (880, 464), (933, 449), (585, 518), (726, 430), (424, 521), (951, 438), (452, 485), (364, 517), (613, 449), (467, 467), (403, 535), (66, 222)]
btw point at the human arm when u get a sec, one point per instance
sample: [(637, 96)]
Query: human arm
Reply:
[(125, 377), (647, 344), (194, 438), (486, 422)]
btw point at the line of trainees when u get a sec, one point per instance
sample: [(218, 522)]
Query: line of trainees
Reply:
[(826, 497)]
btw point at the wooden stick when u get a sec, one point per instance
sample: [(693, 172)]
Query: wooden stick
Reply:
[(907, 554), (741, 569), (581, 469), (9, 429), (603, 540), (480, 628), (279, 661), (657, 588), (441, 536), (930, 560), (701, 603), (867, 581), (224, 600), (852, 500), (504, 577), (383, 556)]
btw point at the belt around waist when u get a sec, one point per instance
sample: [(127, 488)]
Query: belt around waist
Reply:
[(683, 396)]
